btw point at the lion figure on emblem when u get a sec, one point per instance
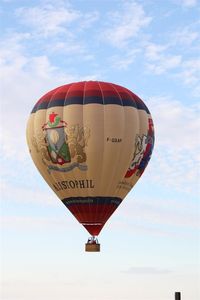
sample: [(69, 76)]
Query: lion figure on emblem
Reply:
[(77, 139)]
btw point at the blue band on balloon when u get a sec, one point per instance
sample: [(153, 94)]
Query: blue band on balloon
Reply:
[(92, 200), (90, 100)]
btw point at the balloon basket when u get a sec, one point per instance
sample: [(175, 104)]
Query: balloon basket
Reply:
[(92, 245)]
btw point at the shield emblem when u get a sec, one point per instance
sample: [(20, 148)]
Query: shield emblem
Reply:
[(56, 140)]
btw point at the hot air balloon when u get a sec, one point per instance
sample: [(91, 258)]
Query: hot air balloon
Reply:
[(91, 141)]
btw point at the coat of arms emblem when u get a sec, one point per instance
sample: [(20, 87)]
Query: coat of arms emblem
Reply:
[(62, 145)]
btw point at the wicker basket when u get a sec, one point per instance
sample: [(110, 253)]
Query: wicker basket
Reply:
[(92, 247)]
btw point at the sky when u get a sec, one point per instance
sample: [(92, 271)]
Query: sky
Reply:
[(150, 247)]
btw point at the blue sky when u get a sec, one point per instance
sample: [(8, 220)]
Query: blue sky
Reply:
[(150, 246)]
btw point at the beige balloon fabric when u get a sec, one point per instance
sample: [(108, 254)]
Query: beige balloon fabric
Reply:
[(91, 141)]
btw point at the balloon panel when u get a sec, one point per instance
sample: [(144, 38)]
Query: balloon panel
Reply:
[(91, 141)]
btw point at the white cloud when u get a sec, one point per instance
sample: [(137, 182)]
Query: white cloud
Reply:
[(69, 47), (158, 61), (154, 51), (176, 124), (53, 19), (190, 73), (164, 64), (56, 29), (88, 19), (177, 128), (189, 3), (126, 24), (196, 91), (49, 19), (123, 63), (185, 36)]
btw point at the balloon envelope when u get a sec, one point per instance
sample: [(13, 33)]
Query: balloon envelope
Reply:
[(91, 141)]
